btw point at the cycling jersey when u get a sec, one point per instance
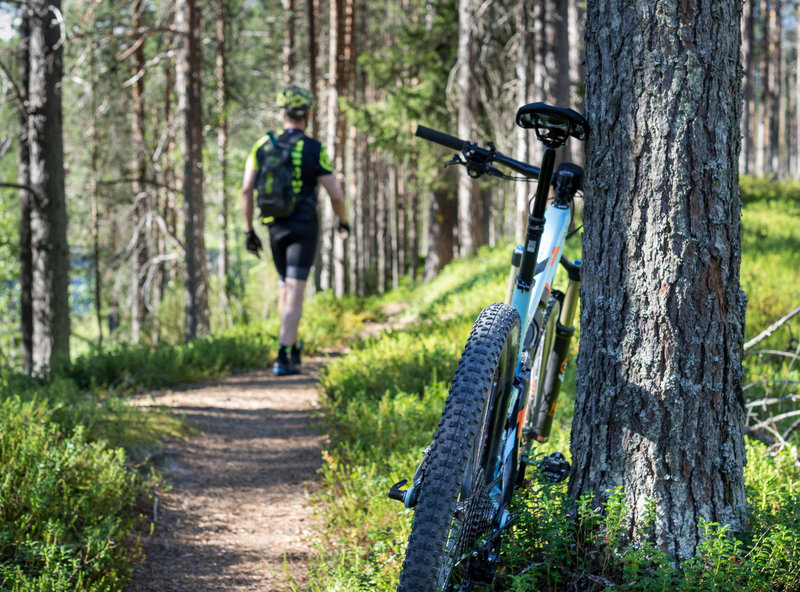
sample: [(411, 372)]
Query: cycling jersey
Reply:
[(310, 159), (293, 240)]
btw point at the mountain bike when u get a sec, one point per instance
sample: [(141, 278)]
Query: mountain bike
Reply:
[(504, 392)]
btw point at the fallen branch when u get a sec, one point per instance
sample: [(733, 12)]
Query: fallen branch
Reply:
[(771, 329)]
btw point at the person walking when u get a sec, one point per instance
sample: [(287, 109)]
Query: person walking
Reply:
[(293, 239)]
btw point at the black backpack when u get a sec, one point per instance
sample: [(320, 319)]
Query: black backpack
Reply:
[(275, 194)]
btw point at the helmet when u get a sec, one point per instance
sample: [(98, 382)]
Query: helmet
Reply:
[(296, 101)]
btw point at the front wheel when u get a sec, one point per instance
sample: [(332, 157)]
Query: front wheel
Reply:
[(456, 502)]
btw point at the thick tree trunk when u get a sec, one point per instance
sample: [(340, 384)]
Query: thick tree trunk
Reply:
[(659, 405), (50, 253), (195, 287)]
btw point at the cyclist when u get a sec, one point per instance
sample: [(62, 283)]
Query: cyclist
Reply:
[(293, 240)]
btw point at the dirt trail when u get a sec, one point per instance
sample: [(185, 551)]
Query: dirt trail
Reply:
[(238, 516)]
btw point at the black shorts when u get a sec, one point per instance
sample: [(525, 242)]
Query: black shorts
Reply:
[(294, 245)]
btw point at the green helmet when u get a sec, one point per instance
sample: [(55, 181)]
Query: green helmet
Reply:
[(296, 101)]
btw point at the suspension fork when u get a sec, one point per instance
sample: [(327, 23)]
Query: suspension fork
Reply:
[(556, 366)]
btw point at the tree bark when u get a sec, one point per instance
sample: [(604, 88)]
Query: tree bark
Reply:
[(748, 69), (139, 246), (288, 42), (195, 288), (49, 253), (25, 198), (775, 84), (223, 270), (525, 75), (470, 228), (659, 405)]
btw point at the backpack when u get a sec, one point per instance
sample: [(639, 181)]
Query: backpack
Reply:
[(275, 194)]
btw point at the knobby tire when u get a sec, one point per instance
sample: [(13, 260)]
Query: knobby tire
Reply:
[(454, 507)]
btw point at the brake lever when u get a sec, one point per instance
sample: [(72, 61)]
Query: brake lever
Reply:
[(455, 160)]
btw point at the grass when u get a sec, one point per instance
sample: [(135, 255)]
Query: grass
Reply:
[(74, 483), (380, 413)]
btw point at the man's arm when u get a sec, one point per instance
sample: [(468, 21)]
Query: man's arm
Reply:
[(336, 194), (248, 183)]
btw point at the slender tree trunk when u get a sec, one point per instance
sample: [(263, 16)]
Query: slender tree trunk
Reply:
[(95, 181), (25, 197), (190, 102), (381, 226), (289, 42), (659, 407), (577, 71), (50, 253), (523, 152), (748, 68), (413, 221), (222, 156), (762, 159), (312, 8), (139, 247), (470, 228), (797, 99), (775, 83)]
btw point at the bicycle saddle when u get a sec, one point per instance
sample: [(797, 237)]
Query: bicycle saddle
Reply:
[(553, 124)]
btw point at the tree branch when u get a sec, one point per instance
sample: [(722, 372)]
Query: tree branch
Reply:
[(771, 329), (27, 188), (17, 92)]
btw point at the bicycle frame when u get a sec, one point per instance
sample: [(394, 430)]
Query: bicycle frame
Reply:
[(532, 297)]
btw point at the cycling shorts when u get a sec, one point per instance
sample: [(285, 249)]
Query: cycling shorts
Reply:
[(294, 245)]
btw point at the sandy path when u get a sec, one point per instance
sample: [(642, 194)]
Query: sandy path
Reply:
[(238, 517)]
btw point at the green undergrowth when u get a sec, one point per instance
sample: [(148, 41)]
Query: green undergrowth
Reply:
[(382, 403), (75, 481)]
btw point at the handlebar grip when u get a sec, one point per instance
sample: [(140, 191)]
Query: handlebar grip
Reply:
[(442, 138)]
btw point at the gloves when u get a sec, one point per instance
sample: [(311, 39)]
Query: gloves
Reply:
[(253, 243), (343, 228)]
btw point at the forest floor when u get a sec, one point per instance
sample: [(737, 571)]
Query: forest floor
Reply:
[(238, 515)]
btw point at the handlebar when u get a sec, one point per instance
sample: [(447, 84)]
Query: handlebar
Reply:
[(474, 152)]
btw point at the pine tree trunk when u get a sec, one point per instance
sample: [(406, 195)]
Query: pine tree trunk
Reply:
[(312, 8), (49, 253), (775, 84), (95, 213), (522, 151), (223, 269), (469, 207), (659, 405), (748, 68), (288, 42), (190, 101), (762, 127), (25, 199), (139, 247)]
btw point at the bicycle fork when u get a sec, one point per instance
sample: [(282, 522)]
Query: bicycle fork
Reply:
[(557, 364)]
